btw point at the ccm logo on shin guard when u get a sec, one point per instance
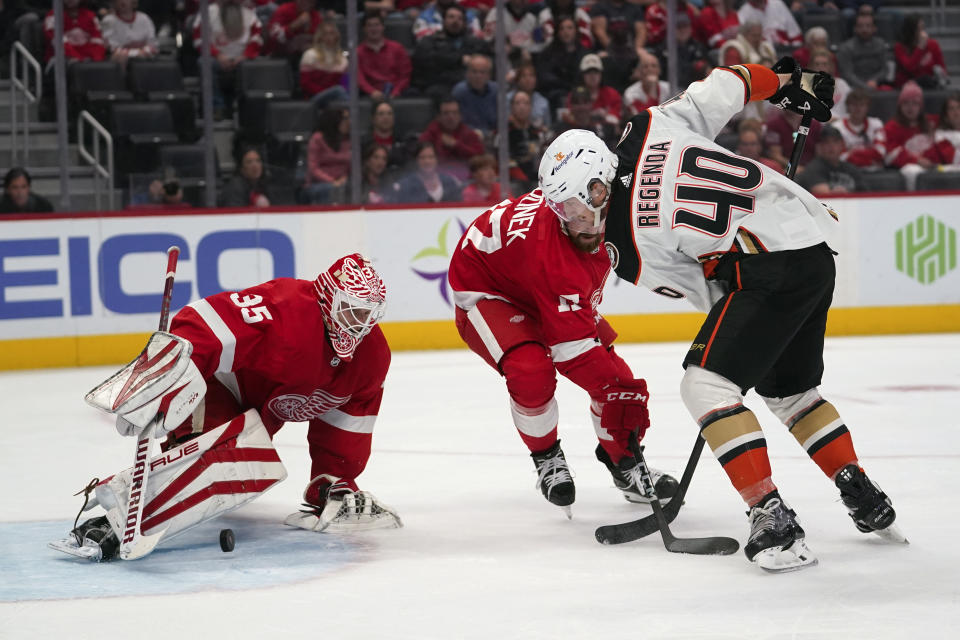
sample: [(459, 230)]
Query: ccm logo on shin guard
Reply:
[(136, 486), (173, 456), (625, 395)]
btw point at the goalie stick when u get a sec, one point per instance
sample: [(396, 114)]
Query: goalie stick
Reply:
[(133, 544), (628, 531)]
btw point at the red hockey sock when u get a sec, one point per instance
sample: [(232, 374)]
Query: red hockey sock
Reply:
[(738, 443), (821, 432)]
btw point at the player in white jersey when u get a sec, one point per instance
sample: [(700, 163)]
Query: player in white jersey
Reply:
[(745, 244)]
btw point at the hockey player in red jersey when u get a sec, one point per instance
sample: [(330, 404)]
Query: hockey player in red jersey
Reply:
[(746, 245), (232, 370), (527, 277)]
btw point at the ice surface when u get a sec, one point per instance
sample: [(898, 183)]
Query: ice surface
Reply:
[(482, 555)]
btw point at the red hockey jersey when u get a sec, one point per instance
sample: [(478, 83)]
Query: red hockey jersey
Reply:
[(516, 251), (267, 345)]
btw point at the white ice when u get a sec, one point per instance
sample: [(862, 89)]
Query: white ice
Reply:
[(482, 554)]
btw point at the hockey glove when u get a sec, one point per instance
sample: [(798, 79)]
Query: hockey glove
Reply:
[(625, 407), (807, 93), (330, 504)]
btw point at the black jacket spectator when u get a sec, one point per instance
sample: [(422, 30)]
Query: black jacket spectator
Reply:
[(248, 188), (17, 197), (438, 60), (827, 173), (558, 66)]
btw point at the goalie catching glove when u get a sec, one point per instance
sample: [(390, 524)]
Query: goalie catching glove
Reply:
[(162, 383), (331, 505), (807, 93), (625, 407)]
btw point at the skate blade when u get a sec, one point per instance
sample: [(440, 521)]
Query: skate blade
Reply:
[(634, 498), (91, 552), (892, 534), (568, 512), (794, 557)]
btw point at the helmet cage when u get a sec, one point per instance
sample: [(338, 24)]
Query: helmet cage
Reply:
[(356, 316)]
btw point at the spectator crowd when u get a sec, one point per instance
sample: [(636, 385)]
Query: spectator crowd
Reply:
[(591, 65)]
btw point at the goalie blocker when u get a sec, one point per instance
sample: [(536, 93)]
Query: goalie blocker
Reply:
[(161, 382), (197, 481)]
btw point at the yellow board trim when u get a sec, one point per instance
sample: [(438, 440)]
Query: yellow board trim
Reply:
[(83, 351)]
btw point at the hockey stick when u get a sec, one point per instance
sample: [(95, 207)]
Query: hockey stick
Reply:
[(134, 544), (802, 132), (718, 545), (641, 528)]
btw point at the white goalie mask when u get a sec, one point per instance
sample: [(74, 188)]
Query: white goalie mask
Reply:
[(576, 173), (353, 299)]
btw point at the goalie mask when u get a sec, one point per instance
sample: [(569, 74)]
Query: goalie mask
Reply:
[(353, 299), (576, 173)]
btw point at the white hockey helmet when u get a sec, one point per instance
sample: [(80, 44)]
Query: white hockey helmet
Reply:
[(578, 169), (353, 299)]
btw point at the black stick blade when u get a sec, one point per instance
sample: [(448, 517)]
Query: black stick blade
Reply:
[(640, 528), (717, 546)]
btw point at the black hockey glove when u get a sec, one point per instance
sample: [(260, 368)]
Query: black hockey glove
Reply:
[(807, 93)]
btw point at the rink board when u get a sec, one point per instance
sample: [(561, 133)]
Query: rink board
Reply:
[(85, 289)]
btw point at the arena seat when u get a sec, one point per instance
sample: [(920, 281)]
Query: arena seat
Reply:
[(938, 180), (258, 82), (94, 87), (162, 81), (833, 22), (139, 128), (411, 115), (884, 180)]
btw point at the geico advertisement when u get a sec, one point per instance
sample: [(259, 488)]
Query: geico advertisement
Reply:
[(93, 276), (412, 249), (90, 276)]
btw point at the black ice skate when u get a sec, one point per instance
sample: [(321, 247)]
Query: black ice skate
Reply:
[(554, 479), (868, 505), (626, 477), (776, 539), (93, 540)]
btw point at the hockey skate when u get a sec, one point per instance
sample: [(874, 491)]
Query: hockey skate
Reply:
[(776, 541), (868, 506), (554, 479), (92, 540), (626, 477)]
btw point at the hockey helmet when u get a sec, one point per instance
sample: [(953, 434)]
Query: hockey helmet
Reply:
[(353, 299), (576, 173)]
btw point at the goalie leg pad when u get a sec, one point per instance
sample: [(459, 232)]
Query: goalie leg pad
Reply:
[(201, 479)]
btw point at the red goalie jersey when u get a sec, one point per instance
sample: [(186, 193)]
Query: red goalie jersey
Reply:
[(265, 348), (516, 251)]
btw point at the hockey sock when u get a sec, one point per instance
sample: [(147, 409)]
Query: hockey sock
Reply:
[(537, 426), (531, 382), (737, 441), (820, 430)]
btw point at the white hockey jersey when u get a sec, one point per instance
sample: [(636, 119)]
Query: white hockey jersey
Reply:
[(680, 201)]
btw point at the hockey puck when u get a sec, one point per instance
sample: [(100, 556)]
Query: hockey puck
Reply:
[(227, 541)]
